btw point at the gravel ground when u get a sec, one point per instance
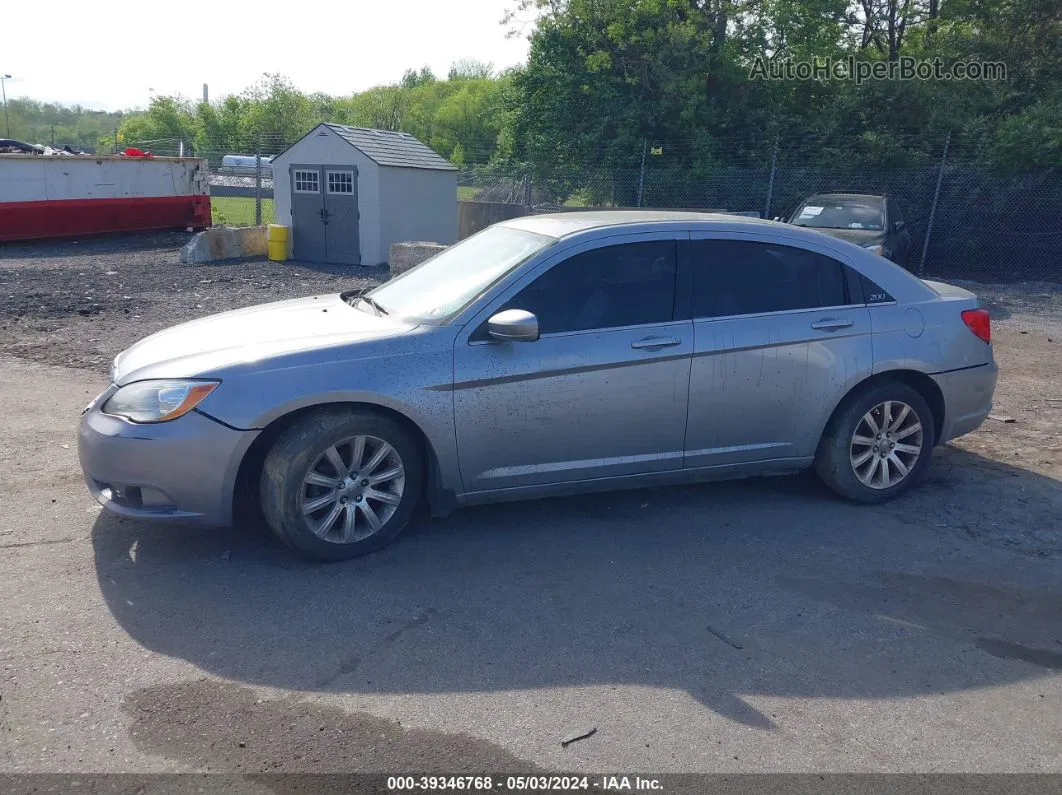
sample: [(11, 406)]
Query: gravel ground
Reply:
[(751, 626), (79, 304), (1002, 484)]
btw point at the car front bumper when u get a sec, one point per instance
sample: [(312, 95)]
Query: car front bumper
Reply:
[(180, 470)]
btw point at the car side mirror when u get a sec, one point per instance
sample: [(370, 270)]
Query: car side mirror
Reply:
[(899, 226), (513, 325), (777, 218)]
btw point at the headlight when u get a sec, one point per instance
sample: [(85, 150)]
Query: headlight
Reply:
[(158, 401)]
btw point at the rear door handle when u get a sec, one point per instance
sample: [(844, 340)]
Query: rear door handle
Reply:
[(831, 324), (655, 343)]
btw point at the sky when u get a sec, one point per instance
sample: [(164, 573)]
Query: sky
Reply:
[(116, 57)]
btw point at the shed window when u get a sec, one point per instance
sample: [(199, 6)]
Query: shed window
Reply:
[(307, 182), (340, 181)]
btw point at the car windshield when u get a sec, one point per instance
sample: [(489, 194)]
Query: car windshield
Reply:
[(825, 213), (443, 285)]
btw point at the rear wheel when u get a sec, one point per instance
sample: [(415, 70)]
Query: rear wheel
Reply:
[(339, 484), (877, 444)]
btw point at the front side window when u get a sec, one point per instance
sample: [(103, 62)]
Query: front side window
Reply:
[(626, 285), (738, 277), (894, 212)]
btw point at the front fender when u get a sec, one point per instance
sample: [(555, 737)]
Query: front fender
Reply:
[(413, 379)]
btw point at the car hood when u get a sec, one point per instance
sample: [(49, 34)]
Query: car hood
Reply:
[(861, 237), (245, 335)]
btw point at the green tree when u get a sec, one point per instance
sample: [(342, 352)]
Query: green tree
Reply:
[(276, 113), (467, 122), (381, 108), (167, 122), (412, 78), (470, 69), (57, 125)]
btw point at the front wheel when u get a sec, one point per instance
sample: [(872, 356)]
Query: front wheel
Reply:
[(340, 483), (877, 444)]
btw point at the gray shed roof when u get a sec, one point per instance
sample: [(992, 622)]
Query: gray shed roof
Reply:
[(391, 148)]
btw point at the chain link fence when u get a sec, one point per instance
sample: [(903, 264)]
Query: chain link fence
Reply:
[(241, 178), (966, 220)]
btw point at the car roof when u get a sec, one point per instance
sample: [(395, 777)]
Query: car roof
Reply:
[(570, 223), (845, 196), (601, 223)]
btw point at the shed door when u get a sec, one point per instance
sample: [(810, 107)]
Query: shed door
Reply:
[(341, 216), (307, 213)]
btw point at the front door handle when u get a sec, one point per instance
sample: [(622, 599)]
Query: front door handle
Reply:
[(831, 324), (655, 343)]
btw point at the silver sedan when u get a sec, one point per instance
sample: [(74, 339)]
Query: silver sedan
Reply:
[(546, 355)]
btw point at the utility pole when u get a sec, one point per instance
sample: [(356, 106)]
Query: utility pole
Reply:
[(641, 175), (3, 89), (933, 208), (770, 183), (258, 182)]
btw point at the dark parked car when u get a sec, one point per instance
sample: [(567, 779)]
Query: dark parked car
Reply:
[(873, 222)]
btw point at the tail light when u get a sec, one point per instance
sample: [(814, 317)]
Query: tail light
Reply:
[(979, 322)]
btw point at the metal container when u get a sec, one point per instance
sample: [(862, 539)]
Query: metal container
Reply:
[(53, 196)]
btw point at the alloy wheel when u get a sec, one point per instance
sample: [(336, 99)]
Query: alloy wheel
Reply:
[(886, 444), (352, 489)]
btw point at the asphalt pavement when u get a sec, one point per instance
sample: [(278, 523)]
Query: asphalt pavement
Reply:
[(759, 625)]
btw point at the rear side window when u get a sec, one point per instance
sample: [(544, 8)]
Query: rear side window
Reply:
[(627, 285), (873, 294), (736, 277)]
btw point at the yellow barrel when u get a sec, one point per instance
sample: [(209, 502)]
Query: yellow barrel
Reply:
[(277, 242)]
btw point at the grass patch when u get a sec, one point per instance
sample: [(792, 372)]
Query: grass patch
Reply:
[(239, 210), (467, 193), (578, 199)]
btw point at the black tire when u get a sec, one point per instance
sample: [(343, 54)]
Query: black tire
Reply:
[(298, 448), (834, 458)]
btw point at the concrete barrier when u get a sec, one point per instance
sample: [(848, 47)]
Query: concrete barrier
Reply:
[(474, 216), (224, 242), (404, 256)]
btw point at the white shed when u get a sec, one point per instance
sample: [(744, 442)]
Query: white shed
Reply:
[(348, 193)]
